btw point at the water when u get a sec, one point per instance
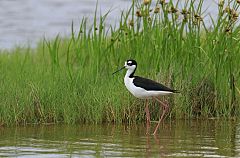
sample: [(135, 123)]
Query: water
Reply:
[(210, 138), (24, 22)]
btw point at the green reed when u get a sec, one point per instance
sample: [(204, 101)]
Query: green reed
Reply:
[(69, 79)]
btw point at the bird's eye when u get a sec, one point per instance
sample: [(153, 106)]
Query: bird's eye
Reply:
[(129, 63)]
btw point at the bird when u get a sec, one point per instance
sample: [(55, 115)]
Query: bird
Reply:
[(144, 88)]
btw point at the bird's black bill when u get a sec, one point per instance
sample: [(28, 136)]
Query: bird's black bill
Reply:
[(118, 70)]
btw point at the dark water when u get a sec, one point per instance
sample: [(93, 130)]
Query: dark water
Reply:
[(24, 22), (211, 138)]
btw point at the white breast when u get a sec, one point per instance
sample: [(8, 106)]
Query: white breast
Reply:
[(140, 92)]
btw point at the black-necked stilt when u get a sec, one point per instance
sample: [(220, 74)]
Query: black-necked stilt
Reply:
[(144, 88)]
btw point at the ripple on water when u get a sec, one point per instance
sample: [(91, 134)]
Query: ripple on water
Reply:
[(97, 141)]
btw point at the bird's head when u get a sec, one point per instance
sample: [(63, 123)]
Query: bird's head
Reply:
[(129, 64)]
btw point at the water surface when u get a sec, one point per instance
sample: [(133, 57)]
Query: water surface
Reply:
[(24, 22), (211, 138)]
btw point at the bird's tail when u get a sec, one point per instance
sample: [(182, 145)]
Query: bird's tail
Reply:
[(176, 91)]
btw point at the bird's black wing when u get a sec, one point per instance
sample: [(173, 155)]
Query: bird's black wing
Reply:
[(150, 85)]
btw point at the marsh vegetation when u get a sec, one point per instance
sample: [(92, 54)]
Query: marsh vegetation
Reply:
[(68, 79)]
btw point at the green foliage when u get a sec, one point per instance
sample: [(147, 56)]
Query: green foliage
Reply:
[(69, 79)]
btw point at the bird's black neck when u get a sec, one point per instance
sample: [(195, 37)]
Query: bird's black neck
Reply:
[(130, 73)]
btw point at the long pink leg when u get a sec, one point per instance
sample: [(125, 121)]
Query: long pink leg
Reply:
[(165, 108), (147, 116)]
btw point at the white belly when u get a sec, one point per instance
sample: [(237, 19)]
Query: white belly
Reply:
[(140, 92)]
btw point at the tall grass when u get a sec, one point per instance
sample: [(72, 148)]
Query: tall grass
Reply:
[(69, 79)]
